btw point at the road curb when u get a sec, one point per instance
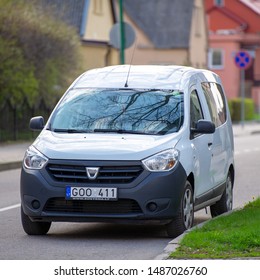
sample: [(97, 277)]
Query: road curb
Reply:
[(175, 243), (10, 165), (171, 247)]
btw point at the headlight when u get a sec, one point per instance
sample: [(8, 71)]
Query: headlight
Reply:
[(164, 161), (33, 159)]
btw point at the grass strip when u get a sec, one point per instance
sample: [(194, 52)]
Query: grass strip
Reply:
[(236, 235)]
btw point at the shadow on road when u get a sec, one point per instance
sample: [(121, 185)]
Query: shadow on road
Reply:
[(109, 230)]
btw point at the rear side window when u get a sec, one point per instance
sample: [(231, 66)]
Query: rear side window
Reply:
[(216, 102)]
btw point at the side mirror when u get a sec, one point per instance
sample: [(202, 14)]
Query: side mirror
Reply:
[(37, 123), (204, 127)]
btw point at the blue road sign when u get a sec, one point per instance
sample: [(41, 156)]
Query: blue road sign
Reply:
[(243, 59)]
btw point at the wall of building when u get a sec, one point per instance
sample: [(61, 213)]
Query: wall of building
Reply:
[(234, 28), (230, 74), (96, 51), (199, 37), (95, 56), (99, 21)]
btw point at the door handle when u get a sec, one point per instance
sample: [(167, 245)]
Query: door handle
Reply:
[(210, 144)]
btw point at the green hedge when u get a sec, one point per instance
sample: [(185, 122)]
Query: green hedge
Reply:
[(235, 109)]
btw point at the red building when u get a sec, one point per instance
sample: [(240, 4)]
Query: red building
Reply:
[(234, 25)]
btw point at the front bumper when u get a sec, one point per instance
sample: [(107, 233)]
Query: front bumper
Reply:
[(153, 196)]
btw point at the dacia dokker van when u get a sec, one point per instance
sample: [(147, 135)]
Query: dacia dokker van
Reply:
[(131, 144)]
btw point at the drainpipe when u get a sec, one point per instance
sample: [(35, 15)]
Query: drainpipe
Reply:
[(107, 56)]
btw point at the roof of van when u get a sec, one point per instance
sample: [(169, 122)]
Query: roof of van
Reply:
[(141, 76)]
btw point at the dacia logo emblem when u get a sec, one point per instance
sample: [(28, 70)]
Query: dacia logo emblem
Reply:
[(92, 172)]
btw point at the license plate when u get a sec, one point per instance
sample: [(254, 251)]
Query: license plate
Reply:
[(84, 193)]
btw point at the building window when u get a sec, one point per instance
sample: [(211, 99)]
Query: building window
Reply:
[(216, 59), (219, 3), (98, 7)]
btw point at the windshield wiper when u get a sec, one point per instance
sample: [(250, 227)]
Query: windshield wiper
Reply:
[(121, 131), (69, 130), (104, 130)]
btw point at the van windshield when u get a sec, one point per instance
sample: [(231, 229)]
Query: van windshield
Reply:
[(92, 110)]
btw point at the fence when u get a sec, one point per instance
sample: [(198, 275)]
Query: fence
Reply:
[(14, 120)]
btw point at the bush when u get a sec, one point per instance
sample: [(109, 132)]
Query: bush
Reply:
[(235, 109), (39, 58), (39, 54)]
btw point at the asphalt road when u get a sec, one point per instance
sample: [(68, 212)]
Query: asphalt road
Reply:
[(108, 241)]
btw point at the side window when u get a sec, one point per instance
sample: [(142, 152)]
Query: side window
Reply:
[(195, 109), (216, 102)]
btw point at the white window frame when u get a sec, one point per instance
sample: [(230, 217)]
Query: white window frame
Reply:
[(211, 63)]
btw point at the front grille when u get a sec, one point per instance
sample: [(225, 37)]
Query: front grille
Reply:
[(106, 175), (122, 206)]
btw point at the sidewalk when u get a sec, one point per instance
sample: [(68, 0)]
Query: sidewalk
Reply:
[(11, 155), (248, 128)]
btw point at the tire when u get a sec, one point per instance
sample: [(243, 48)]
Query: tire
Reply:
[(225, 204), (184, 219), (34, 228)]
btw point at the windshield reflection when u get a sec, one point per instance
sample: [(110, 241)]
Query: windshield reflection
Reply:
[(119, 110)]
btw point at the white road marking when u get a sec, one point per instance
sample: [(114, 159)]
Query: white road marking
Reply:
[(10, 207)]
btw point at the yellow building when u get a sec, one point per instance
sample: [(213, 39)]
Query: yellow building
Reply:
[(97, 21), (167, 32)]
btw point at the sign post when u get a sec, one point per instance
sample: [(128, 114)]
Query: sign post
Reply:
[(122, 33), (243, 61)]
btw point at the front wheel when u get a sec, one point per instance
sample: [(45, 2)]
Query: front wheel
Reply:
[(225, 204), (184, 219), (34, 228)]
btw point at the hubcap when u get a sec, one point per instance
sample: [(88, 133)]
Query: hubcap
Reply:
[(229, 194), (188, 209)]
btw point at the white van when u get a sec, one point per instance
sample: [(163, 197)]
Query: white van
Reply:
[(131, 144)]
